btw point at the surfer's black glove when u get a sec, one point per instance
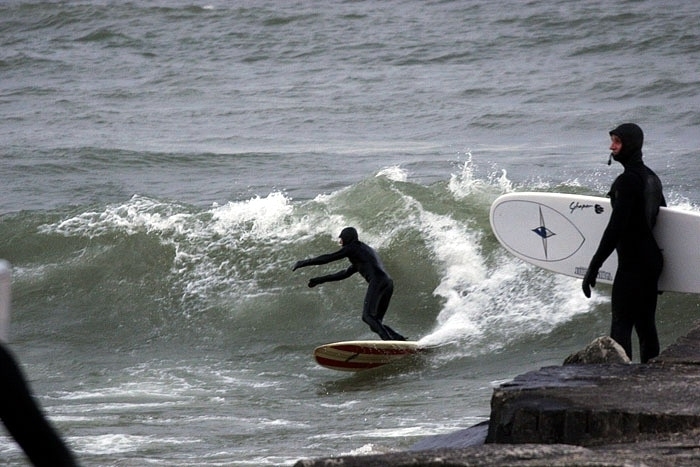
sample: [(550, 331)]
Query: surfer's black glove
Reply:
[(298, 264), (589, 281), (314, 281)]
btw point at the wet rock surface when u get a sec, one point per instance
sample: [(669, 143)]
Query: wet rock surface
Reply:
[(602, 350), (677, 451), (613, 414), (595, 404)]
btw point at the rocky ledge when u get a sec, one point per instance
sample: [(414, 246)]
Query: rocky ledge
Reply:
[(578, 414)]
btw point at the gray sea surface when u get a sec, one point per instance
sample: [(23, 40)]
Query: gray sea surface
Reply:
[(164, 163)]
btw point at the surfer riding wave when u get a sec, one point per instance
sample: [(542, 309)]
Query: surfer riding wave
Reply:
[(366, 261)]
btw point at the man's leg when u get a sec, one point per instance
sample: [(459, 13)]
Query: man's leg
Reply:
[(386, 290), (645, 325), (622, 321)]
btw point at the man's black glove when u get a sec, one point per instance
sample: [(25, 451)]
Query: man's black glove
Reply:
[(589, 280), (299, 264), (314, 281)]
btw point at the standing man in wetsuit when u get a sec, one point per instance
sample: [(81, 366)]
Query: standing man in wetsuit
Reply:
[(635, 196), (363, 259)]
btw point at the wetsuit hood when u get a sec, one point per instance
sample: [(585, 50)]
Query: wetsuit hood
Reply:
[(632, 139), (348, 235)]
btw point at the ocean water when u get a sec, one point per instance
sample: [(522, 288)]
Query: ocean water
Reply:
[(165, 163)]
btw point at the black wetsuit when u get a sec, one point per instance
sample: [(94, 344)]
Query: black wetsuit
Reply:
[(364, 260), (636, 196), (25, 421)]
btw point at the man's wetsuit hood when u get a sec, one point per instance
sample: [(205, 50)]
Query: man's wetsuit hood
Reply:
[(632, 139), (348, 235)]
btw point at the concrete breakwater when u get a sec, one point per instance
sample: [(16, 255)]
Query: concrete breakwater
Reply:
[(612, 414)]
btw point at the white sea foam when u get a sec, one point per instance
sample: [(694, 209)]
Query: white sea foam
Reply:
[(487, 304), (139, 214), (465, 182), (258, 217), (119, 443), (395, 173)]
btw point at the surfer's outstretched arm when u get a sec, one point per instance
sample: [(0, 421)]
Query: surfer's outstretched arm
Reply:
[(338, 276), (319, 260)]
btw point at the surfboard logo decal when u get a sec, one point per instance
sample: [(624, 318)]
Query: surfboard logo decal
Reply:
[(543, 232), (556, 238)]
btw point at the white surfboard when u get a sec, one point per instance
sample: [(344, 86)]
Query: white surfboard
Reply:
[(561, 232), (363, 355)]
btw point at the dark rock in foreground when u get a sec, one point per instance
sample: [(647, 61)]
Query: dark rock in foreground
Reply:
[(595, 404), (579, 415), (472, 436), (680, 451)]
